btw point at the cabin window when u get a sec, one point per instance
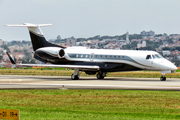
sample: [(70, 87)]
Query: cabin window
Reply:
[(122, 57), (95, 56), (118, 57), (106, 57), (81, 56), (110, 57), (101, 56), (86, 56), (148, 57), (114, 57)]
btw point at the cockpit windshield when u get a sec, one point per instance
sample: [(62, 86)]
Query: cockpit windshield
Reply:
[(154, 56)]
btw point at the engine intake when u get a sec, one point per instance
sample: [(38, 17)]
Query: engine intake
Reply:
[(61, 53)]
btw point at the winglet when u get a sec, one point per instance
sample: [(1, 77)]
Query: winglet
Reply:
[(12, 61)]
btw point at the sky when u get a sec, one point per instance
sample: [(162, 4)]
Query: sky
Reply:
[(88, 18)]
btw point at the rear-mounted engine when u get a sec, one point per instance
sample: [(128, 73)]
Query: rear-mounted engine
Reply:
[(61, 53)]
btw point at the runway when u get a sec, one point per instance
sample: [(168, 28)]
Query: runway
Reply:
[(65, 82)]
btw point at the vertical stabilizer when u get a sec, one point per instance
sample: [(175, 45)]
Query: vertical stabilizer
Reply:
[(37, 37)]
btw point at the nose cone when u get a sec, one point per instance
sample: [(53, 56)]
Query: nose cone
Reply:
[(164, 65), (170, 65), (174, 67)]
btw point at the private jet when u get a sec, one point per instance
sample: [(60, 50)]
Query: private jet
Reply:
[(92, 61)]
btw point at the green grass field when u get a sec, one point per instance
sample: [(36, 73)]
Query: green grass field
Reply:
[(92, 104)]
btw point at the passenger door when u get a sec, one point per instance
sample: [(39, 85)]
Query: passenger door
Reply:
[(92, 57)]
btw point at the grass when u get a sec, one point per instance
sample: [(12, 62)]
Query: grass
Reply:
[(45, 72), (92, 104)]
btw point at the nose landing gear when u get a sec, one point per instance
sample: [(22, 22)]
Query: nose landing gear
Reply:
[(163, 78), (75, 75)]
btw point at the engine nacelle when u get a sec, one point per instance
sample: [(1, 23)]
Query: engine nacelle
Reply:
[(61, 53), (52, 51)]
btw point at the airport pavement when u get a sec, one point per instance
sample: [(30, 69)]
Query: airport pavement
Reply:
[(65, 82)]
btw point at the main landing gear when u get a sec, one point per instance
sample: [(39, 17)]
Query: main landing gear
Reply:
[(75, 75), (101, 75), (163, 78)]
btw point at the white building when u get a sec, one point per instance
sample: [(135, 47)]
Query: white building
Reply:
[(2, 42), (127, 38), (166, 52), (141, 44)]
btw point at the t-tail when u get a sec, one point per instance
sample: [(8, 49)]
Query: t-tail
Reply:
[(37, 37)]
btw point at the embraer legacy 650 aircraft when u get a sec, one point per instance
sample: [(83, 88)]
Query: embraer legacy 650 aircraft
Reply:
[(92, 61)]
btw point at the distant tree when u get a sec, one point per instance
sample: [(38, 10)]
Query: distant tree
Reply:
[(177, 48), (58, 37), (135, 36), (1, 57), (27, 58), (176, 61), (169, 48), (166, 48), (6, 48), (131, 46), (169, 41), (15, 51), (80, 39), (158, 35), (32, 61), (122, 37), (147, 48)]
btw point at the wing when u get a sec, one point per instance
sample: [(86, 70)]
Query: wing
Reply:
[(51, 65)]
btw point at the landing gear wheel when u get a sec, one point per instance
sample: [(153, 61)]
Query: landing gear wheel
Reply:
[(163, 78), (74, 77), (99, 76)]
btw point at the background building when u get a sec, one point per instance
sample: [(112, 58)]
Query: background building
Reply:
[(141, 44), (71, 41), (148, 33), (127, 38)]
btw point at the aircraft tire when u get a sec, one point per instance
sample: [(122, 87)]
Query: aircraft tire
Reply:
[(163, 78), (99, 76), (74, 77)]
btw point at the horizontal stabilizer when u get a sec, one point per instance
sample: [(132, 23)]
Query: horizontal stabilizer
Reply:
[(29, 25)]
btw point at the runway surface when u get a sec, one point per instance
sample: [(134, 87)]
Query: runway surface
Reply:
[(65, 82)]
